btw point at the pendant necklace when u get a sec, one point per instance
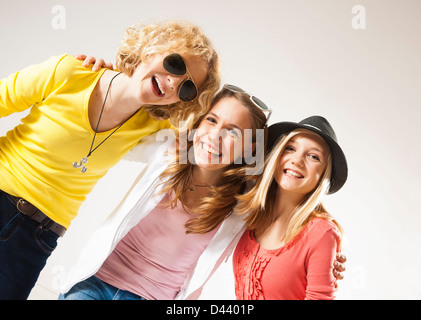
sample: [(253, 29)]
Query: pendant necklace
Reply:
[(84, 160)]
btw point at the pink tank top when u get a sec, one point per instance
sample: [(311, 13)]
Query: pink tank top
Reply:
[(155, 257)]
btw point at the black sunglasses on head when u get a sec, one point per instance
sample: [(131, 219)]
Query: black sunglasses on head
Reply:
[(174, 63)]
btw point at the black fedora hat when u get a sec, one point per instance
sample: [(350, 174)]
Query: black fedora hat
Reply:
[(323, 128)]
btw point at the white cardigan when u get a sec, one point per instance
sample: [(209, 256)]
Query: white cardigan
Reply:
[(138, 202)]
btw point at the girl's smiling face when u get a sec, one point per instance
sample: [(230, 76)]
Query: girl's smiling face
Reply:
[(302, 163), (218, 139), (157, 86)]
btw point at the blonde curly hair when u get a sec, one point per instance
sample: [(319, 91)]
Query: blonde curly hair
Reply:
[(142, 41)]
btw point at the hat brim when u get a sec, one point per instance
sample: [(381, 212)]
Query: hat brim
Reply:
[(339, 163)]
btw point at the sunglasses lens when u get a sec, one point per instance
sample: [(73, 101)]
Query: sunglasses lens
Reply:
[(174, 64), (259, 102), (187, 91)]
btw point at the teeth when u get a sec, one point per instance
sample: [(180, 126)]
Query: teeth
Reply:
[(159, 85), (211, 150), (293, 173)]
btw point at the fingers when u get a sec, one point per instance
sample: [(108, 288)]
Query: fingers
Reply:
[(341, 257), (97, 63), (338, 275), (80, 56), (108, 65), (339, 267), (88, 61)]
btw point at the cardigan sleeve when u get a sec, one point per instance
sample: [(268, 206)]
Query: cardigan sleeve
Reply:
[(320, 279), (151, 146), (20, 90)]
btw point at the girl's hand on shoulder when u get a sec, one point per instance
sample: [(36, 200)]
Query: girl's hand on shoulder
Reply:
[(339, 266), (98, 63)]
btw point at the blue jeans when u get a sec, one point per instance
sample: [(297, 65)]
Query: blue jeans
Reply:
[(24, 249), (96, 289)]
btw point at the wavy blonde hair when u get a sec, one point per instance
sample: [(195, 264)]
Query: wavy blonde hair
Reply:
[(257, 205), (219, 205), (142, 41)]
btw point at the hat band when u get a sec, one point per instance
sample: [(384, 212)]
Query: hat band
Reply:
[(309, 125)]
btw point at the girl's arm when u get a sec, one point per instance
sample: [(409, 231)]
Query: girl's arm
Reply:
[(321, 282), (20, 90)]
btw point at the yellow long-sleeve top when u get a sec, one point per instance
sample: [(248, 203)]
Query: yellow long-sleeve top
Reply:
[(36, 157)]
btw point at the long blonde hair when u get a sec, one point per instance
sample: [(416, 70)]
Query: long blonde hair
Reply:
[(215, 208), (257, 205), (140, 42)]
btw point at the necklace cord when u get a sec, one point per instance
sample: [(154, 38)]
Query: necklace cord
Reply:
[(99, 120), (100, 116)]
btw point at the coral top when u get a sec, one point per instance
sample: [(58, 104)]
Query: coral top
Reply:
[(301, 269)]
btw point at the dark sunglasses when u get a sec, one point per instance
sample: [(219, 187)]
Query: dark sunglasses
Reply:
[(259, 103), (175, 64)]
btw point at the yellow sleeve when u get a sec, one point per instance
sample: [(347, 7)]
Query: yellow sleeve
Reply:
[(20, 90)]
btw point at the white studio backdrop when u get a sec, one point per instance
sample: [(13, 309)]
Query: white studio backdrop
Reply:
[(355, 62)]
